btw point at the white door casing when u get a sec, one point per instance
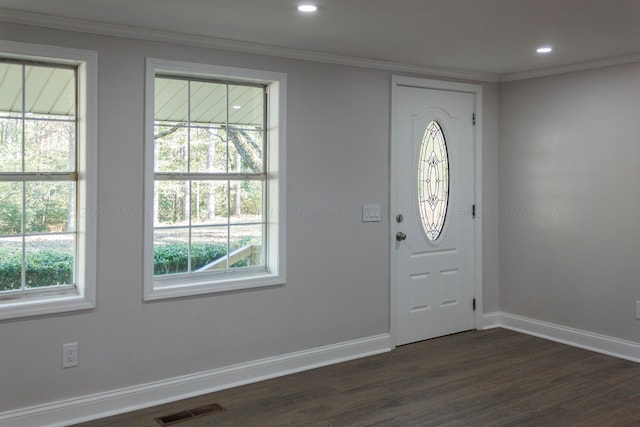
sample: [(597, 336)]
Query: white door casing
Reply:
[(434, 283)]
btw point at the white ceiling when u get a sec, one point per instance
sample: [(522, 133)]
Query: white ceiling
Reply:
[(496, 37)]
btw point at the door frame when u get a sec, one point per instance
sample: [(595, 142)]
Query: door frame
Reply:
[(476, 91)]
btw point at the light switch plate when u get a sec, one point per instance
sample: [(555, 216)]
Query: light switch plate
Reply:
[(371, 213), (638, 309)]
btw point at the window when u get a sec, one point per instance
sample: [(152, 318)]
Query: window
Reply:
[(47, 253), (433, 181), (214, 179)]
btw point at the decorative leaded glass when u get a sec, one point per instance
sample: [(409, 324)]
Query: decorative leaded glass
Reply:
[(433, 181)]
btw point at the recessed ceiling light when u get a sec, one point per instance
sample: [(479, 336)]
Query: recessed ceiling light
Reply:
[(307, 8), (544, 49), (236, 107)]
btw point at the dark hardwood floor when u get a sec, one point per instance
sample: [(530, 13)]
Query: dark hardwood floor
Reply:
[(478, 378)]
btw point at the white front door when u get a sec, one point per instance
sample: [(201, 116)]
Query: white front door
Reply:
[(432, 191)]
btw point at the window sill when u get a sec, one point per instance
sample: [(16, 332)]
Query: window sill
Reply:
[(41, 305), (188, 286)]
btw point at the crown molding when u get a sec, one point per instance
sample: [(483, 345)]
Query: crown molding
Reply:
[(579, 66), (125, 31)]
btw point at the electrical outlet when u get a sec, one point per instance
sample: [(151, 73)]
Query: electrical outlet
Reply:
[(70, 355)]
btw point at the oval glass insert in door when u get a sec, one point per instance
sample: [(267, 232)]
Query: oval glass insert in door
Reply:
[(433, 181)]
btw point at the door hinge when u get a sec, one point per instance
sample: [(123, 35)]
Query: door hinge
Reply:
[(474, 304), (473, 119), (473, 211)]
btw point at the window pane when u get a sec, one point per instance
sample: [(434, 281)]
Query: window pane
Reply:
[(171, 251), (208, 149), (208, 103), (246, 245), (246, 201), (10, 208), (246, 106), (49, 260), (10, 145), (171, 100), (50, 92), (10, 263), (50, 207), (38, 137), (208, 248), (11, 93), (49, 146), (220, 131), (245, 150), (433, 181), (171, 203), (209, 202), (171, 147)]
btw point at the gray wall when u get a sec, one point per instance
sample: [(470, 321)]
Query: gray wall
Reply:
[(570, 210), (338, 267), (490, 206)]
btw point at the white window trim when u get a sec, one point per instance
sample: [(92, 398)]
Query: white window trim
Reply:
[(275, 261), (84, 296)]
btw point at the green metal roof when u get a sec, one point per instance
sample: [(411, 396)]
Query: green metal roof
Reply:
[(50, 90)]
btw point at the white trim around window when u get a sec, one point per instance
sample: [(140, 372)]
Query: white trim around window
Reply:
[(82, 295), (274, 254)]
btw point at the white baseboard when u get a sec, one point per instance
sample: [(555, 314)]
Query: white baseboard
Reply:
[(142, 396), (611, 346), (491, 320), (114, 402)]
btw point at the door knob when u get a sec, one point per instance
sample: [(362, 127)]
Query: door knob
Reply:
[(400, 236)]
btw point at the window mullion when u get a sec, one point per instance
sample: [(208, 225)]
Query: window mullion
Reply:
[(23, 270), (24, 106), (39, 176), (23, 228), (190, 233), (265, 189), (228, 220), (190, 189), (199, 176), (228, 182)]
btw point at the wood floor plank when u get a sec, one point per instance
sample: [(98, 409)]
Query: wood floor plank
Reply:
[(478, 378)]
